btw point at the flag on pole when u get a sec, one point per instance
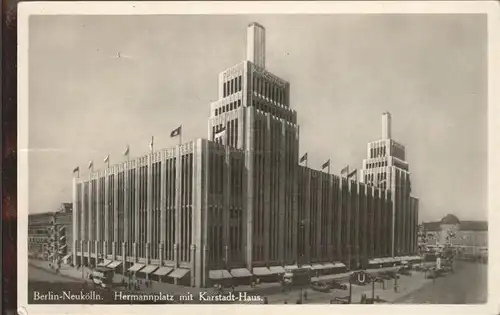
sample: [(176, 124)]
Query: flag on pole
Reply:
[(325, 165), (303, 158), (344, 171), (176, 132), (151, 144), (127, 150), (353, 173), (76, 169), (91, 164), (106, 159), (220, 134)]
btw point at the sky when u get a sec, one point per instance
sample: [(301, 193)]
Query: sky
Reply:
[(100, 83)]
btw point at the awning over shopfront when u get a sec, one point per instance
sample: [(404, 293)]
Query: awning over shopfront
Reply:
[(179, 273), (261, 271), (136, 267), (66, 257), (114, 264), (328, 265), (318, 267), (104, 263), (291, 267), (240, 273), (276, 270), (148, 269), (219, 274), (339, 265), (306, 266), (162, 271), (375, 261)]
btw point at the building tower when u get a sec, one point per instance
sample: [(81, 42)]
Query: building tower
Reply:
[(386, 167), (253, 114)]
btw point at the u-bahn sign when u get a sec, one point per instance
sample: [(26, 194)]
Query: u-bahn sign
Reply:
[(361, 278)]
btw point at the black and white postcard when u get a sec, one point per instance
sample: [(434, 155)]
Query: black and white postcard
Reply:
[(197, 156)]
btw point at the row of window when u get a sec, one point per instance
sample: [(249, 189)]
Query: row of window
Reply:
[(232, 86), (269, 90), (228, 107), (376, 164), (266, 108), (378, 152)]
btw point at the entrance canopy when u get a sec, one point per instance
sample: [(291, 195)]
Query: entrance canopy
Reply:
[(162, 271), (148, 269), (219, 274), (240, 273), (114, 264), (318, 267), (261, 271), (104, 263), (179, 273), (136, 267), (276, 270), (291, 267)]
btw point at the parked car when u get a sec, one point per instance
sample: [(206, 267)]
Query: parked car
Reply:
[(319, 286), (337, 285)]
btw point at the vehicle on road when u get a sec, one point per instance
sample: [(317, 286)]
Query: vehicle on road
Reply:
[(334, 284), (102, 276), (320, 287)]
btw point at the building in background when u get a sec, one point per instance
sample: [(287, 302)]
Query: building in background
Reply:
[(42, 238), (468, 238), (386, 167), (235, 206)]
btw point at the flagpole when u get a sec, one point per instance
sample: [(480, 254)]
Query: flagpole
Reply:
[(180, 136)]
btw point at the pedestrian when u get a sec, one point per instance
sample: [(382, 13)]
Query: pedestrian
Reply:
[(305, 295), (286, 302)]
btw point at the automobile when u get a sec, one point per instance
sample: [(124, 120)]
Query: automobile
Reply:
[(337, 285), (102, 276), (404, 271), (319, 286)]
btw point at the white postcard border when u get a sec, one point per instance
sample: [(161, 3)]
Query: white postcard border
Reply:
[(490, 8)]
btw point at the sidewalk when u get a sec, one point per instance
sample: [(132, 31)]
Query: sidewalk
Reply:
[(65, 270)]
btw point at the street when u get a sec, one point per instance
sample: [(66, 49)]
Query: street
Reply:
[(468, 285), (465, 286), (39, 274)]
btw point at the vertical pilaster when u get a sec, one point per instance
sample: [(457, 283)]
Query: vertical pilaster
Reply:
[(178, 182), (282, 182), (135, 249), (90, 222), (249, 186), (356, 223), (115, 212), (74, 218), (199, 211), (319, 219), (126, 210), (306, 225), (149, 213), (267, 185), (348, 224), (163, 206), (98, 250), (339, 217), (226, 206), (394, 208), (330, 214), (106, 214), (83, 221)]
